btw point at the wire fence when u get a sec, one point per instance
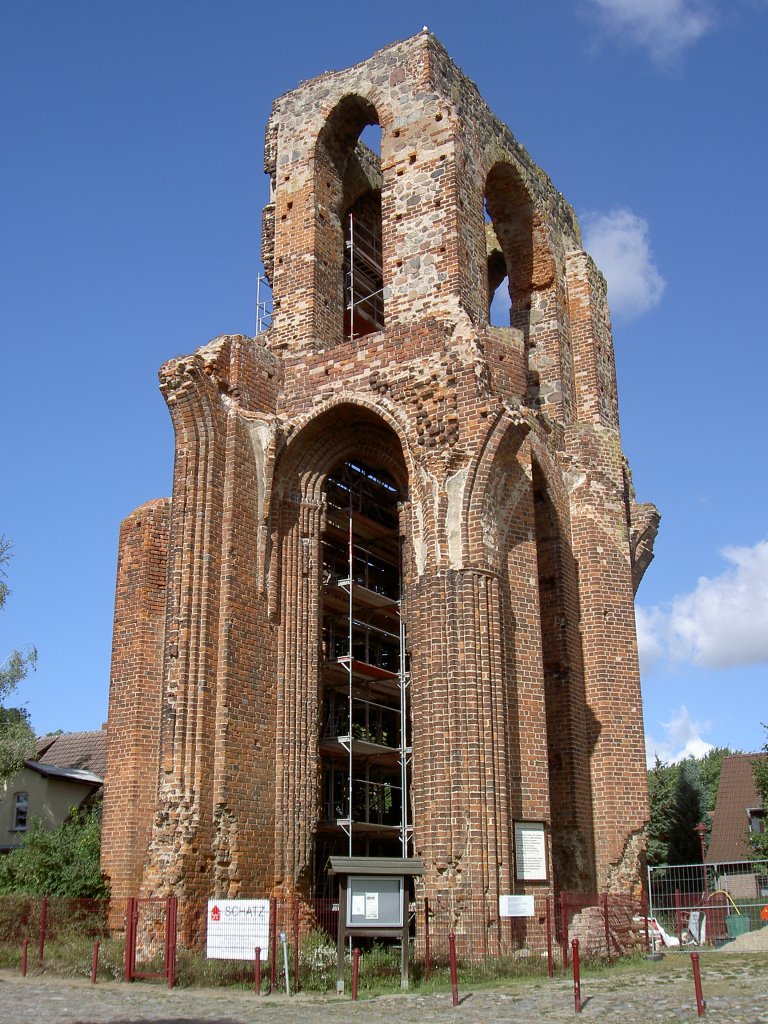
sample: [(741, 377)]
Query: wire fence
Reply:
[(703, 906), (297, 940)]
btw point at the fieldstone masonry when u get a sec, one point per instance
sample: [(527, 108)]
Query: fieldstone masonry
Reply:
[(521, 539)]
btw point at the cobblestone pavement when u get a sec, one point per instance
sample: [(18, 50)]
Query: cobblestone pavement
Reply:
[(735, 988)]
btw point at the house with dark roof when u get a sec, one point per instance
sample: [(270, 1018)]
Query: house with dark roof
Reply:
[(66, 771), (738, 811)]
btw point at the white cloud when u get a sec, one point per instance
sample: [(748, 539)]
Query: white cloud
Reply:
[(650, 624), (683, 739), (663, 27), (618, 243), (724, 621)]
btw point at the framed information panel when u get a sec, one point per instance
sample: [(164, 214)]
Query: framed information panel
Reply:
[(530, 851), (374, 901)]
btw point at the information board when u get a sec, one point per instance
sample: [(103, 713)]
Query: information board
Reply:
[(236, 927), (530, 851), (516, 906), (374, 901)]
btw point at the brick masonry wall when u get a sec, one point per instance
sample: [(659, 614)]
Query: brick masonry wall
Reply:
[(522, 539), (134, 695)]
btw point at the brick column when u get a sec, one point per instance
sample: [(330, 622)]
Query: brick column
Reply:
[(181, 847), (475, 731), (134, 695), (297, 767), (611, 670)]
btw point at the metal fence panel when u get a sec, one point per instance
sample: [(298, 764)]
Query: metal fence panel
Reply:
[(703, 906), (134, 940)]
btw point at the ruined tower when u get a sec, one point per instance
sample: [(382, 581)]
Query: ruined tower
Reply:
[(385, 504)]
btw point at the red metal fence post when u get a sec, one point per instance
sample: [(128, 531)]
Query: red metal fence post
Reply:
[(129, 959), (24, 945), (700, 1004), (295, 945), (550, 959), (607, 927), (257, 971), (454, 979), (95, 962), (427, 957), (171, 915), (43, 927), (272, 945), (355, 972), (576, 976)]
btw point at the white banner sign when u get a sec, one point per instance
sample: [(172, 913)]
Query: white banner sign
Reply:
[(516, 906), (236, 928)]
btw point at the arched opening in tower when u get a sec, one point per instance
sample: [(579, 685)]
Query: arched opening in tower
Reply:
[(350, 272), (364, 722), (509, 245)]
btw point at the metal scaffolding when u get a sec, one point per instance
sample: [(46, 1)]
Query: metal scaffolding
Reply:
[(365, 680), (263, 304), (364, 279)]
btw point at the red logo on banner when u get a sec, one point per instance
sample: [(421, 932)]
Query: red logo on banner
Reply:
[(215, 914)]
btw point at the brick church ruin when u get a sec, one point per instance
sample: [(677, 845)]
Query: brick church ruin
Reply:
[(388, 609)]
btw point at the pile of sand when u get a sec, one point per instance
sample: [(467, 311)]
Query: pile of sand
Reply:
[(749, 942)]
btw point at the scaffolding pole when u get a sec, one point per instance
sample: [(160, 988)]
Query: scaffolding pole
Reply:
[(350, 652)]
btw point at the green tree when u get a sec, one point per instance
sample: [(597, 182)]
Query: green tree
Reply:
[(759, 840), (662, 783), (684, 843), (16, 734), (62, 862), (681, 795)]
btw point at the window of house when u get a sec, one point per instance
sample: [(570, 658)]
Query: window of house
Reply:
[(21, 807), (756, 819)]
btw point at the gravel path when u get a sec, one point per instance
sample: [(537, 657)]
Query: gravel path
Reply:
[(735, 987)]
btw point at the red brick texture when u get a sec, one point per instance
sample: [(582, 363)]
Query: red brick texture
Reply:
[(133, 726)]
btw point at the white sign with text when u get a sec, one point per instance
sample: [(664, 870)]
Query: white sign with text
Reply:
[(516, 906), (236, 928), (530, 851)]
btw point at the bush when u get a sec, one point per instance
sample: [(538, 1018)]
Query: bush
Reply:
[(63, 862)]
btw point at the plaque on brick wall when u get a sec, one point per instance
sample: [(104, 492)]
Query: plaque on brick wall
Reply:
[(516, 906), (530, 851), (236, 928)]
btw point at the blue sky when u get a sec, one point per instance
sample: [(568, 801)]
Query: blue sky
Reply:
[(131, 198)]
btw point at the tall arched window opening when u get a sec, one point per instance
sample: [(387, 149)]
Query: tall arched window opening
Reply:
[(364, 727), (509, 245), (350, 266)]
